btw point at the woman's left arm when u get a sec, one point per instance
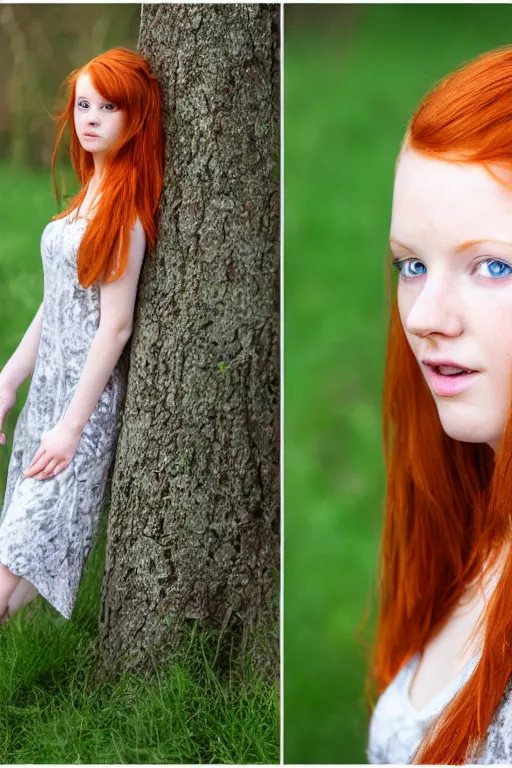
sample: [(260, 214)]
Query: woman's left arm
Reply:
[(117, 304)]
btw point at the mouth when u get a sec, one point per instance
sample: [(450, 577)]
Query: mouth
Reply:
[(91, 136), (447, 379)]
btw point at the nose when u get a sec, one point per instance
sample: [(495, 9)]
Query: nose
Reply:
[(92, 118), (436, 310)]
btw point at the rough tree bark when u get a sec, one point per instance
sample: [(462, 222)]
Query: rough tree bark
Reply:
[(193, 527)]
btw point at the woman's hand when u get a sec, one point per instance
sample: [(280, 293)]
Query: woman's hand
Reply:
[(7, 401), (57, 448)]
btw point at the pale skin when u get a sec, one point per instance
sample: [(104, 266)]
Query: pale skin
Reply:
[(451, 231), (117, 303)]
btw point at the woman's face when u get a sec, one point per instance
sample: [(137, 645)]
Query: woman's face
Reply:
[(451, 232), (93, 113)]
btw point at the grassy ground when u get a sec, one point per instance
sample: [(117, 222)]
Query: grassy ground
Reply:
[(50, 713), (349, 93), (189, 714)]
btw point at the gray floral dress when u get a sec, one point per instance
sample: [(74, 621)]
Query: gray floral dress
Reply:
[(48, 527)]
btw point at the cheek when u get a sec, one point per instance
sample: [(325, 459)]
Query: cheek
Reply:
[(119, 126), (405, 302), (490, 323), (406, 295), (403, 308), (496, 341)]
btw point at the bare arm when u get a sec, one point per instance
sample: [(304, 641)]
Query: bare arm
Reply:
[(117, 303), (22, 363)]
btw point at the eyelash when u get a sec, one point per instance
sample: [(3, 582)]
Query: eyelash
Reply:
[(398, 264), (109, 103)]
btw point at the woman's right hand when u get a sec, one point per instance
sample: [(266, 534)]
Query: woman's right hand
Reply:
[(7, 400)]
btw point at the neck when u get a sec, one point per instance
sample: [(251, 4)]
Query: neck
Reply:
[(98, 170), (94, 181)]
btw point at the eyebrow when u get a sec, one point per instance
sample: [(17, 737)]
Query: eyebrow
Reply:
[(459, 248), (87, 99)]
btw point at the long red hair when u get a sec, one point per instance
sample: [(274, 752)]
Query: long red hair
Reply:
[(448, 506), (132, 177)]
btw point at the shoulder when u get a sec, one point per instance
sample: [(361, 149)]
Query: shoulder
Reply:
[(137, 227), (137, 245), (137, 233), (136, 248)]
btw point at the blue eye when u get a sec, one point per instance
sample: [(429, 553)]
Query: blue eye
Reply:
[(409, 267), (494, 268), (108, 104)]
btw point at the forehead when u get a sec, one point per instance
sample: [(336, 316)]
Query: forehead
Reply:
[(437, 201), (84, 87)]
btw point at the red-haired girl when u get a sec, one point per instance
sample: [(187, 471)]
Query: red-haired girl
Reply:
[(92, 254), (442, 660)]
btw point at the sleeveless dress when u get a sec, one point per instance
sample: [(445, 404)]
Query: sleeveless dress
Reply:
[(396, 727), (48, 527)]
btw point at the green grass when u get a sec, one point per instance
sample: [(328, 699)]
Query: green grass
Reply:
[(50, 709), (348, 98), (188, 713)]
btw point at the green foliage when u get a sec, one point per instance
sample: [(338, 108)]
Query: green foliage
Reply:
[(348, 96)]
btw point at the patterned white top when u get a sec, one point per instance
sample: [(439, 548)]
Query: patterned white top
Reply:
[(396, 727)]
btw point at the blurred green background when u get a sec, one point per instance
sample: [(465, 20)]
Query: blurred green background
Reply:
[(353, 76)]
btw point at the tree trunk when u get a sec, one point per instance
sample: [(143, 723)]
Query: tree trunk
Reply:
[(193, 528)]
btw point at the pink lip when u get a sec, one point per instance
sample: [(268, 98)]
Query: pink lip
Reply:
[(451, 363), (447, 386), (91, 136)]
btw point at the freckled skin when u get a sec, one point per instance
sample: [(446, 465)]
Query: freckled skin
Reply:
[(457, 309)]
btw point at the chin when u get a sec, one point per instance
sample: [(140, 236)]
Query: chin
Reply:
[(461, 425)]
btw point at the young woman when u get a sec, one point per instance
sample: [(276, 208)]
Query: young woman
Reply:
[(442, 660), (92, 254)]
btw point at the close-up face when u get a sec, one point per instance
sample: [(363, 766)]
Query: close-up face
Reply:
[(94, 114), (451, 237)]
